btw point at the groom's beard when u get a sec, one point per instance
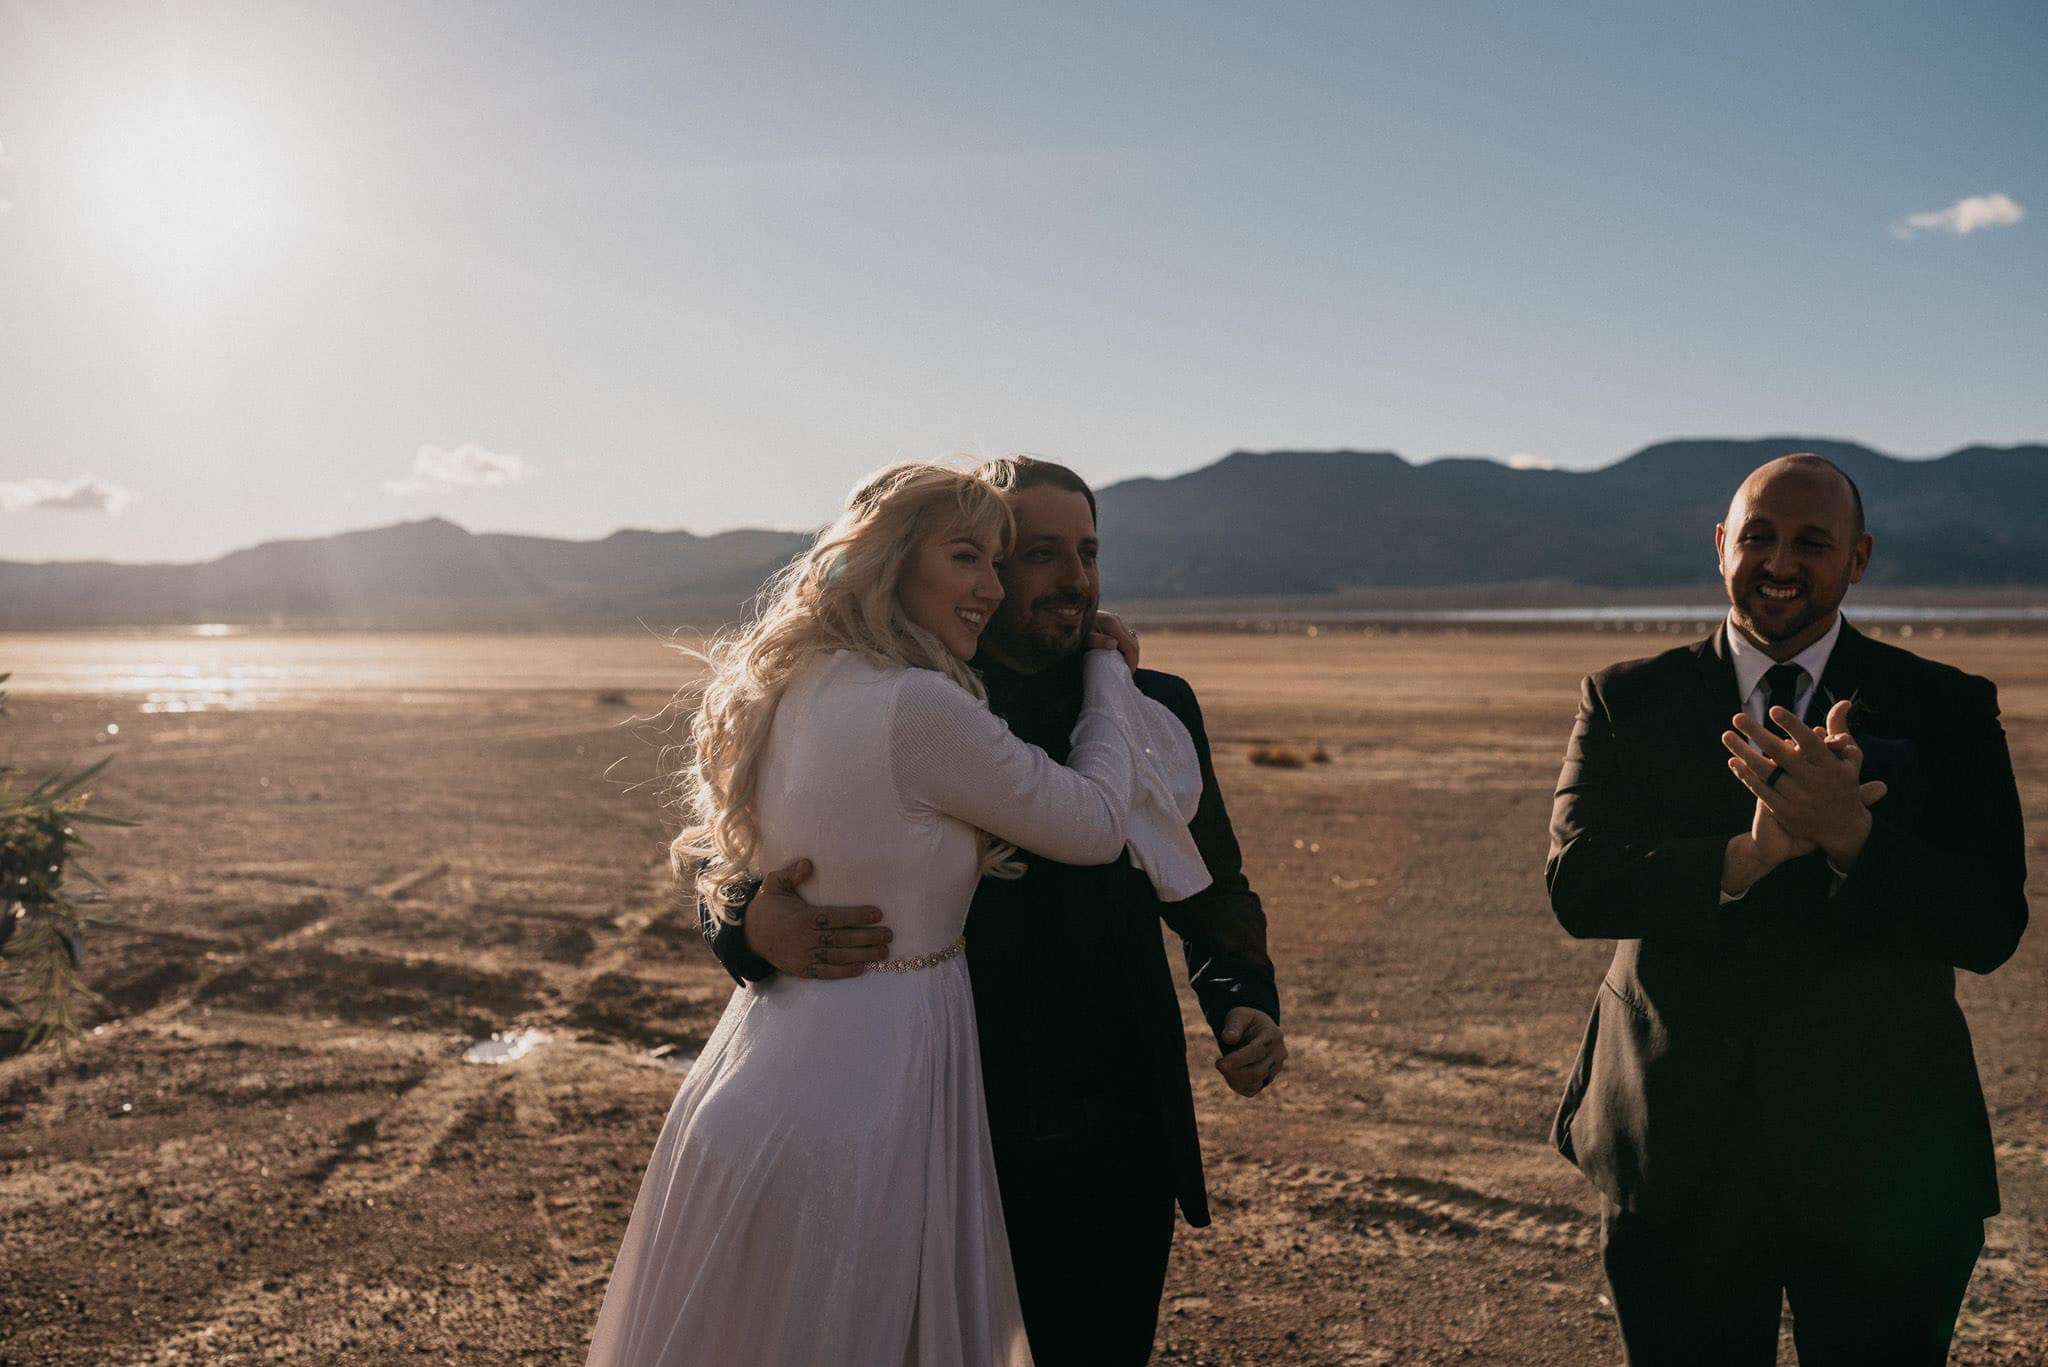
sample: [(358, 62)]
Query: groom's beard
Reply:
[(1768, 621), (1045, 632)]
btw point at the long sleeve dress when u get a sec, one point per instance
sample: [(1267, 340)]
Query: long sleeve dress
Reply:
[(822, 1191)]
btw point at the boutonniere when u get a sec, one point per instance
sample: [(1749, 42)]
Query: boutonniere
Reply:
[(1859, 711)]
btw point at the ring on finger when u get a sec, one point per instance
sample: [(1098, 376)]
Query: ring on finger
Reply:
[(1771, 779)]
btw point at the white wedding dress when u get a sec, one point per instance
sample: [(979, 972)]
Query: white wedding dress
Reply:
[(822, 1191)]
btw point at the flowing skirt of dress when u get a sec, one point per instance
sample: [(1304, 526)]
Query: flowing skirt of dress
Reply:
[(823, 1191)]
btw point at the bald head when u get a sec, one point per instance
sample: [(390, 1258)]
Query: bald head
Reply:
[(1790, 548), (1801, 465)]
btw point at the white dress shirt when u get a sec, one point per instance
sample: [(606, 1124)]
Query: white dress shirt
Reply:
[(1751, 664)]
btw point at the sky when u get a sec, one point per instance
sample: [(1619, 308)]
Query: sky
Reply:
[(278, 270)]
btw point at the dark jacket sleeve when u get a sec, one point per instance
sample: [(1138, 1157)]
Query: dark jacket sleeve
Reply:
[(1222, 928), (729, 942), (1955, 887), (1607, 881)]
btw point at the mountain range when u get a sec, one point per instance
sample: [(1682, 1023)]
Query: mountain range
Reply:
[(1316, 522), (1276, 523)]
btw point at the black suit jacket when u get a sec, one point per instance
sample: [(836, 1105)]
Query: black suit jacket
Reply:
[(1083, 1055), (1806, 1032)]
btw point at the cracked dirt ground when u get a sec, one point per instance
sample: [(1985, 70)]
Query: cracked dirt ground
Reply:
[(270, 1151)]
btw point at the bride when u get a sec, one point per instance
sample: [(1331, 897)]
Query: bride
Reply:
[(822, 1191)]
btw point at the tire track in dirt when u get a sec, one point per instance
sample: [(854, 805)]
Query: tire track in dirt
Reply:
[(54, 1184), (393, 1147), (306, 922), (1464, 1090), (339, 1316), (408, 881), (1401, 1208), (236, 1309), (220, 965), (1376, 1206), (616, 993), (560, 1193)]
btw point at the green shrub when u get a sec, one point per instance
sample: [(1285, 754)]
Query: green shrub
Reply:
[(42, 927)]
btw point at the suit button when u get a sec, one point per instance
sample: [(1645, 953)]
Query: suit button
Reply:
[(1732, 1041)]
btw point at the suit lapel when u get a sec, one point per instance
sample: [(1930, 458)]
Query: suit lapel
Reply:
[(1713, 704), (1858, 672), (1715, 675), (1844, 675)]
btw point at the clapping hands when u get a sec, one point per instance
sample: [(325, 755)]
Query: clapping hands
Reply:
[(1809, 793)]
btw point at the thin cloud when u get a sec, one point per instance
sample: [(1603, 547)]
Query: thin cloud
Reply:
[(1522, 460), (1963, 217), (86, 494), (464, 466)]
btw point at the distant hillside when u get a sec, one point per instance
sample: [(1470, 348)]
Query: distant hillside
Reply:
[(415, 574), (1313, 522), (1294, 523)]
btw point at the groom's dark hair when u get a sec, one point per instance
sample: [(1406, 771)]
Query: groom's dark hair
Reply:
[(1013, 474)]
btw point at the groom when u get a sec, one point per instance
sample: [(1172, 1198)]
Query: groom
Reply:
[(1797, 834), (1083, 1057)]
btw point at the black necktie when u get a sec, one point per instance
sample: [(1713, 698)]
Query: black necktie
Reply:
[(1781, 685)]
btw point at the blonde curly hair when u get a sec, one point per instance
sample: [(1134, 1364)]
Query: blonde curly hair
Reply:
[(839, 595)]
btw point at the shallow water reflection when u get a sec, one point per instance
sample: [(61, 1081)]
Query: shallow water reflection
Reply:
[(226, 670)]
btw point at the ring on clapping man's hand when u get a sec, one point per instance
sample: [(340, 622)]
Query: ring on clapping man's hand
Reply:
[(1771, 779)]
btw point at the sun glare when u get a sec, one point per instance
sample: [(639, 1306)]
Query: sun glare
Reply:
[(185, 186)]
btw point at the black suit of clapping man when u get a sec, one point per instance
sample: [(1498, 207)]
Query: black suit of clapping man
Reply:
[(1083, 1058), (1776, 1094)]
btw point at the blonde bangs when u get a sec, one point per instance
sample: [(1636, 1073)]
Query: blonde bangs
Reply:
[(985, 515)]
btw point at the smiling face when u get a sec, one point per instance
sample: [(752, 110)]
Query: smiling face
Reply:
[(1051, 578), (950, 588), (1789, 551)]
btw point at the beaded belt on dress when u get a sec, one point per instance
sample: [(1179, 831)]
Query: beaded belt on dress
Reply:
[(917, 961)]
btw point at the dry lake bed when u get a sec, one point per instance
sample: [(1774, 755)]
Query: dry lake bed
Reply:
[(360, 856)]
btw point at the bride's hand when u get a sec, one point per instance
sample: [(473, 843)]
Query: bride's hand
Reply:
[(1111, 634)]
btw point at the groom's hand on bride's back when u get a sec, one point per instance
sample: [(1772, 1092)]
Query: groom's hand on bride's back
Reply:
[(807, 941)]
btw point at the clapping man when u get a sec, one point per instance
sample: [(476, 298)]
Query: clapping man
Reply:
[(1797, 835)]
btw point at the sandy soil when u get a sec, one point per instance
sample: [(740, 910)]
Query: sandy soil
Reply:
[(269, 1149)]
